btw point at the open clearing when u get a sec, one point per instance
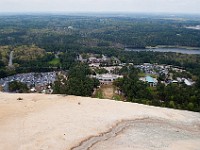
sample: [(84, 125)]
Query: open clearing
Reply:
[(107, 91)]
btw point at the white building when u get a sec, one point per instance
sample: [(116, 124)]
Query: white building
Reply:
[(150, 80), (188, 83), (107, 78)]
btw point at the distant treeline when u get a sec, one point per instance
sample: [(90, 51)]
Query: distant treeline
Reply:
[(59, 32)]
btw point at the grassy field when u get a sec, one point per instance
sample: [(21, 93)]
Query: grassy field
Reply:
[(98, 94), (55, 61)]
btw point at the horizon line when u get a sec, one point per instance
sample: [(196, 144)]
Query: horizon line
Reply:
[(96, 12)]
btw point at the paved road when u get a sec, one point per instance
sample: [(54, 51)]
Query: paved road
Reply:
[(10, 63)]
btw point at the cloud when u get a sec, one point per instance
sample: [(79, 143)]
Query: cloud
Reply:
[(184, 6)]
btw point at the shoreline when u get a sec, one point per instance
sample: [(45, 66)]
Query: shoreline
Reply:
[(171, 46)]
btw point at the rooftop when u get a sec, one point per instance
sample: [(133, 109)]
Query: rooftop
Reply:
[(149, 79)]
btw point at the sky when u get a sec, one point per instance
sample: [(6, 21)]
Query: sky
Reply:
[(153, 6)]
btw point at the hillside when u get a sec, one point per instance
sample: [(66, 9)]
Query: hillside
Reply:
[(69, 122)]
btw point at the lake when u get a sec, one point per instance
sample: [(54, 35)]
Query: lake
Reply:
[(175, 50)]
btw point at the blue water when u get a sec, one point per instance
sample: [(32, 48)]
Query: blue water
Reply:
[(175, 50)]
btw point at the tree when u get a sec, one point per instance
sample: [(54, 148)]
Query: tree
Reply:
[(19, 87), (78, 82), (190, 106), (172, 104)]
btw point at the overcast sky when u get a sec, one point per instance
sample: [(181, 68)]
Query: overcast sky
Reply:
[(171, 6)]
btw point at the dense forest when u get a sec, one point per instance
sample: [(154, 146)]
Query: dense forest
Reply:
[(42, 43), (53, 36), (179, 96), (77, 83), (61, 32)]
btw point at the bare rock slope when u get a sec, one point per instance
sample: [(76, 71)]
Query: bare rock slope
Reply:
[(56, 122)]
